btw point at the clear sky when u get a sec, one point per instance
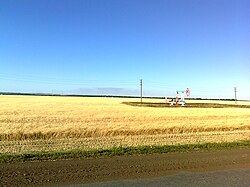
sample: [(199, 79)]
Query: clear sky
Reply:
[(107, 46)]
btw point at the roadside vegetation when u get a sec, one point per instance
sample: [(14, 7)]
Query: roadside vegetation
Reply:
[(117, 151)]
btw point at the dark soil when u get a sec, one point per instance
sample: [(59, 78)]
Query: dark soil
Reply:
[(188, 105), (76, 171)]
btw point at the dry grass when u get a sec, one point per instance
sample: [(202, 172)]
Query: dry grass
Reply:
[(67, 144), (39, 122)]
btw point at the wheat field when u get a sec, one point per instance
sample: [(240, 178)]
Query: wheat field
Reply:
[(45, 123)]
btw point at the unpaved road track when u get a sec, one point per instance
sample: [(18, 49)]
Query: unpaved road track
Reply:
[(94, 170), (222, 178)]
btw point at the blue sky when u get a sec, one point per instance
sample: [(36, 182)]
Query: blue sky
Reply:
[(107, 46)]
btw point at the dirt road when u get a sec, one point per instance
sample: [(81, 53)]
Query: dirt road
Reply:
[(85, 171)]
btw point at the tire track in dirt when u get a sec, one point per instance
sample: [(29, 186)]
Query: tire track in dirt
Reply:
[(84, 171)]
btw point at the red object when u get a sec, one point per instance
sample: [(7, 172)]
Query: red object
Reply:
[(188, 92)]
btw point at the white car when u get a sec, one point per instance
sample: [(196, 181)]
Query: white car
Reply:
[(180, 102)]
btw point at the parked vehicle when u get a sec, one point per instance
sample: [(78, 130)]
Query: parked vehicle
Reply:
[(180, 102)]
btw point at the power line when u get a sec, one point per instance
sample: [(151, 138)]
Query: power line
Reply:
[(71, 82), (150, 86)]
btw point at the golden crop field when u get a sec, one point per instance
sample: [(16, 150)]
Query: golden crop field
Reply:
[(44, 123)]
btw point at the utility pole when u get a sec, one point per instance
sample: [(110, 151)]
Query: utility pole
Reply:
[(235, 96), (141, 89)]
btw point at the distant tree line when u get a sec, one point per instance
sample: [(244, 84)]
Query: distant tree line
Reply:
[(111, 96)]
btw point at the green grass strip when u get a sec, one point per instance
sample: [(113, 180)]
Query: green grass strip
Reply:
[(117, 151)]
